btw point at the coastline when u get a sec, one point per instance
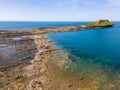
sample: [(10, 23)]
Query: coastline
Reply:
[(41, 72), (31, 71)]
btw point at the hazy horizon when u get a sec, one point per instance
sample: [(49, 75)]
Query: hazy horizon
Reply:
[(59, 21), (59, 10)]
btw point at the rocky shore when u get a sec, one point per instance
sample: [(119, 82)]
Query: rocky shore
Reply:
[(28, 61), (90, 26)]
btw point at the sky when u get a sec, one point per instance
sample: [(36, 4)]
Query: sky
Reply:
[(59, 10)]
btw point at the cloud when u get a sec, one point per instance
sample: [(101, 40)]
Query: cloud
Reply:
[(77, 4), (88, 2), (114, 2)]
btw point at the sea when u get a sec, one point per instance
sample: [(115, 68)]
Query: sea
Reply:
[(95, 53), (28, 25)]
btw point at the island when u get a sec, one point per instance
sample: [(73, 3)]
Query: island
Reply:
[(100, 23)]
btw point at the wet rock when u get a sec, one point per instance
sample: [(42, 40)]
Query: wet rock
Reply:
[(1, 73), (71, 85), (17, 77), (81, 78), (35, 85), (28, 63), (2, 56)]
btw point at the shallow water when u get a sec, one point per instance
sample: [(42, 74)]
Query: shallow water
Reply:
[(95, 55), (16, 50)]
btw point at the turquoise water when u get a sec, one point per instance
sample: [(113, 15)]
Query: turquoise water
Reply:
[(95, 54), (13, 25)]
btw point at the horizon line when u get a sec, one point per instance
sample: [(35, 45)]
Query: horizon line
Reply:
[(53, 21)]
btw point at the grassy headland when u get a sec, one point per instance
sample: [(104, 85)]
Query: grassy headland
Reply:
[(101, 23)]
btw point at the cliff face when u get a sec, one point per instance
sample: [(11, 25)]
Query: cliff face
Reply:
[(101, 23)]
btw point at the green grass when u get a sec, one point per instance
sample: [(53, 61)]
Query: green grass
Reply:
[(91, 24), (105, 23), (102, 24)]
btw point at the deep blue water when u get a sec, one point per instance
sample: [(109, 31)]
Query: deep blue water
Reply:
[(91, 43), (94, 52), (13, 25)]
